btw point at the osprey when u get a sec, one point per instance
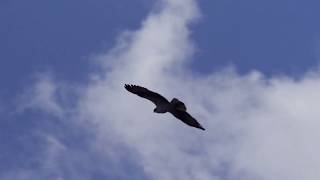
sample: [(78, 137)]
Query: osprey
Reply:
[(175, 107)]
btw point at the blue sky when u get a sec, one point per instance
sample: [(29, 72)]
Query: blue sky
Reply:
[(272, 36), (50, 69)]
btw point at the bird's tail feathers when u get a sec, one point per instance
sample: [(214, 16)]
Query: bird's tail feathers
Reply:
[(178, 104)]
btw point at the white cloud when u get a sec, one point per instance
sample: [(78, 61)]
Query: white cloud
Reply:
[(42, 96), (257, 128)]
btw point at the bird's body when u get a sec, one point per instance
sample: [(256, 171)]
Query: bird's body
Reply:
[(175, 107), (164, 108)]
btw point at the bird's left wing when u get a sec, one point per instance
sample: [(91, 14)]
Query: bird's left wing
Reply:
[(186, 118), (156, 98)]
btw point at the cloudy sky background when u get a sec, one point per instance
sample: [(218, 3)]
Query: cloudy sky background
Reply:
[(248, 71)]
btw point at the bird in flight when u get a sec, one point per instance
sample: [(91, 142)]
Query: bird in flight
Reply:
[(175, 107)]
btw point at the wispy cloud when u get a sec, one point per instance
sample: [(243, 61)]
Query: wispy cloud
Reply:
[(257, 128), (42, 96)]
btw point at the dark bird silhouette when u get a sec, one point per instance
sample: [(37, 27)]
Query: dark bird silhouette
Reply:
[(175, 107)]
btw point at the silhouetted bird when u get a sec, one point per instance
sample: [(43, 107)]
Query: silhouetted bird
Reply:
[(175, 107)]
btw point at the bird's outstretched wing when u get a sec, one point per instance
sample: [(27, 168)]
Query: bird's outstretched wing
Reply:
[(186, 118), (156, 98)]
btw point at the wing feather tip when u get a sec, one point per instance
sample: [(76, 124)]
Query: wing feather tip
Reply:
[(200, 127), (128, 86)]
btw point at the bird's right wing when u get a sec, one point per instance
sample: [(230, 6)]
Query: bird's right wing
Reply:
[(154, 97)]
